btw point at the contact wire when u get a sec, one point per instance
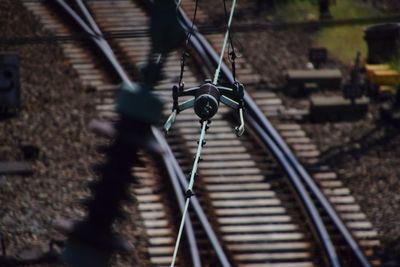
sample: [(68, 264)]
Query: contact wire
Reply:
[(217, 71), (189, 191)]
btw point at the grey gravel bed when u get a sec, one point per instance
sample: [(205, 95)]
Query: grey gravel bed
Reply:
[(366, 154), (55, 113), (56, 110)]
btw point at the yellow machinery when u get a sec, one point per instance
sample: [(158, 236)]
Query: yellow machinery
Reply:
[(382, 75)]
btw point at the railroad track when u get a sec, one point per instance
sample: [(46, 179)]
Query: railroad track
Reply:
[(241, 187)]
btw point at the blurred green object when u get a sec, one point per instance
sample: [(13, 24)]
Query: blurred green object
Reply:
[(79, 254), (165, 31), (139, 103), (136, 101), (333, 38)]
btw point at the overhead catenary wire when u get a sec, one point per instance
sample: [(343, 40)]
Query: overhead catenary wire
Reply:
[(231, 54), (204, 127), (217, 71), (189, 191), (276, 142), (194, 200), (178, 3), (107, 51), (189, 35), (203, 28), (169, 157), (174, 176)]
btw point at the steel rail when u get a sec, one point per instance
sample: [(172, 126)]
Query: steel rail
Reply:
[(171, 169), (189, 191), (274, 142), (174, 170), (194, 201), (189, 231), (268, 128), (101, 43), (319, 228), (86, 13)]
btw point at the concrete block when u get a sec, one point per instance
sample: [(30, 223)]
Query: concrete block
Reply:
[(337, 108), (325, 78)]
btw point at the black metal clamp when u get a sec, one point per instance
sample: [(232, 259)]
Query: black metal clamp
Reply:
[(205, 102)]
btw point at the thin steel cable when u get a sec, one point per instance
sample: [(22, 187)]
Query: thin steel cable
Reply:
[(194, 201), (178, 238), (189, 191), (89, 18), (204, 29), (225, 72), (178, 3), (201, 143), (231, 49), (230, 33), (217, 71), (189, 35)]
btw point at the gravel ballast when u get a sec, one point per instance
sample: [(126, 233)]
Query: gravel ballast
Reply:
[(54, 117), (56, 110), (365, 154)]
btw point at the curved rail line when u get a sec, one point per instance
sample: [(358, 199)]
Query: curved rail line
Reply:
[(291, 165), (236, 186), (174, 171), (317, 223)]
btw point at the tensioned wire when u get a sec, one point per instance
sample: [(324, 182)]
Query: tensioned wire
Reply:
[(217, 71), (189, 35), (202, 135), (204, 29), (189, 190), (201, 141)]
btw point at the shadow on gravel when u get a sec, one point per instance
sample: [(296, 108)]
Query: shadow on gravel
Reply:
[(377, 137)]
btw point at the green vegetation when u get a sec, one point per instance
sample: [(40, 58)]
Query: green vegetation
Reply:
[(345, 9), (343, 41), (303, 10), (296, 10), (395, 64)]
